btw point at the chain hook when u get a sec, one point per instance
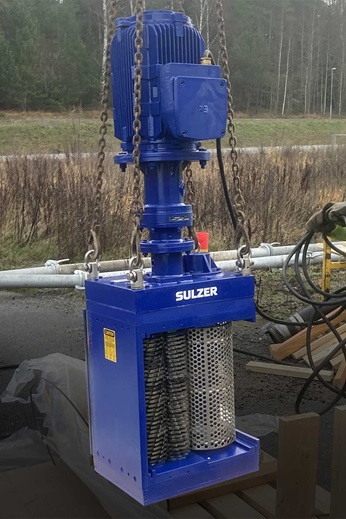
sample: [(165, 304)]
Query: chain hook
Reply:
[(94, 250), (244, 260), (88, 265)]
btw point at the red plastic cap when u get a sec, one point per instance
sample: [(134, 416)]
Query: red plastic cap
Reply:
[(203, 239)]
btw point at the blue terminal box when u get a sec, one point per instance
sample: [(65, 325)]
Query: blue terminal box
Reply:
[(117, 385)]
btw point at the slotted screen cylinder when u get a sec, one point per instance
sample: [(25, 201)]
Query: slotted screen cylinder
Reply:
[(212, 414)]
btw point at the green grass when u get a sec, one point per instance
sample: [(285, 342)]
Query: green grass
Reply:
[(50, 133), (288, 132), (14, 255), (47, 134)]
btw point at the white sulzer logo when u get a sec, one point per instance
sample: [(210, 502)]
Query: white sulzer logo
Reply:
[(187, 295)]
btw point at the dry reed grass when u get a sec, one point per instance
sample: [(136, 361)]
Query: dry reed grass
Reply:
[(53, 200)]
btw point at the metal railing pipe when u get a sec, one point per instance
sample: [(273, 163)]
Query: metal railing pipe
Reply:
[(42, 281), (56, 267)]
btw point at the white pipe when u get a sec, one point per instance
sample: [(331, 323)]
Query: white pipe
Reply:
[(276, 262), (265, 250), (77, 279), (264, 263), (56, 267), (46, 281)]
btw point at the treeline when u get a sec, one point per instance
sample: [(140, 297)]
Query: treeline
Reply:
[(282, 52), (50, 53)]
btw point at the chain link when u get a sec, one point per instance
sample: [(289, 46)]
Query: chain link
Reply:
[(94, 237), (189, 199), (137, 204), (242, 230), (181, 6)]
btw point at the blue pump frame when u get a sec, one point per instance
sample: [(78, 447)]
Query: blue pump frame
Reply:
[(117, 390)]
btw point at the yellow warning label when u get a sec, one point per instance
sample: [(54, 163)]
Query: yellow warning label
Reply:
[(110, 345)]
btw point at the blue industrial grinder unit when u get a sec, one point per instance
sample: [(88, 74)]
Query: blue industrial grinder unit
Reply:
[(159, 348)]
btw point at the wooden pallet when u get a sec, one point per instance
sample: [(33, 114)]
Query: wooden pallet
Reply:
[(323, 344), (282, 488)]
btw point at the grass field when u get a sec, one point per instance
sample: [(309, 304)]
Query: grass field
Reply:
[(52, 133)]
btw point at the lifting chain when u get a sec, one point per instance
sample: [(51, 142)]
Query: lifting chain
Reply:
[(189, 199), (181, 6), (136, 261), (189, 186), (94, 237), (242, 228)]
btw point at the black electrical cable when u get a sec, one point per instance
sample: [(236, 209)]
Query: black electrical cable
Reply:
[(234, 223), (318, 311), (262, 357), (330, 299), (333, 246), (317, 369), (317, 305), (295, 253), (300, 324), (8, 366), (317, 318), (310, 281)]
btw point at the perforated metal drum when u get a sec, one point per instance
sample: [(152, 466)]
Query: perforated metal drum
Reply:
[(212, 415)]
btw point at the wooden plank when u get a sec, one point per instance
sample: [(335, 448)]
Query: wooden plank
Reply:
[(322, 502), (225, 507), (338, 480), (326, 340), (194, 511), (297, 466), (286, 371), (340, 376), (315, 345), (321, 354), (283, 350), (261, 498), (336, 361), (265, 474)]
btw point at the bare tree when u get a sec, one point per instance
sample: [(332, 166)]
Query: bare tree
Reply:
[(342, 60), (280, 56), (287, 71), (309, 69), (105, 30), (204, 19)]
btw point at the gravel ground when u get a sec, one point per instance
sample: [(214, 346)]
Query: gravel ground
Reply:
[(35, 325)]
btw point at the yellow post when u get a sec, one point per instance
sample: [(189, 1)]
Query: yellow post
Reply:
[(326, 267)]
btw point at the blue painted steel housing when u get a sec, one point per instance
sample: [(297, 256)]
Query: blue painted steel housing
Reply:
[(183, 102), (117, 390)]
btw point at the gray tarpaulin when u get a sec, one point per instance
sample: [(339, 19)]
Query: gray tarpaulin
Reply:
[(67, 432)]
